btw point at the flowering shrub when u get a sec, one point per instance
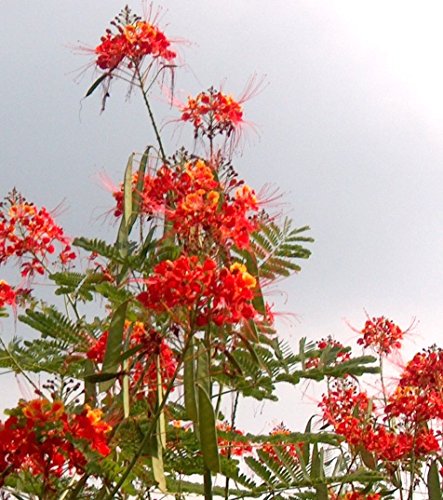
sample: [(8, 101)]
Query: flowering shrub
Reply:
[(142, 393)]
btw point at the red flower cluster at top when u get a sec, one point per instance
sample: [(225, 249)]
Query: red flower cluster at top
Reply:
[(30, 233), (131, 44), (223, 296), (381, 334), (144, 370), (42, 438), (212, 113), (197, 204)]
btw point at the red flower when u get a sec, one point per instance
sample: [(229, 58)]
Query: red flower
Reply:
[(185, 285), (418, 397), (42, 438), (227, 445), (381, 334), (355, 495), (89, 426), (124, 47), (7, 294), (131, 44), (344, 402), (291, 449), (338, 353), (212, 113), (200, 207), (151, 346), (30, 234)]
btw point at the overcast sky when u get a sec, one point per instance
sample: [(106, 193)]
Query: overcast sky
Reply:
[(349, 125)]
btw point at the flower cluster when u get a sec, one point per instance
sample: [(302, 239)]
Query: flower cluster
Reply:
[(212, 113), (133, 41), (346, 409), (382, 335), (273, 449), (352, 414), (149, 345), (30, 234), (227, 445), (223, 296), (42, 438), (7, 294), (418, 397), (197, 204), (354, 495)]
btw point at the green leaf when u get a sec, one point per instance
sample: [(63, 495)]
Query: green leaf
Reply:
[(321, 491), (94, 378), (306, 450), (96, 84), (115, 341), (368, 458), (433, 482), (136, 196), (316, 466), (208, 433), (100, 247), (206, 414), (160, 436), (127, 192), (189, 384)]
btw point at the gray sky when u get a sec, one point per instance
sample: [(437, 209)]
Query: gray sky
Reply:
[(350, 127)]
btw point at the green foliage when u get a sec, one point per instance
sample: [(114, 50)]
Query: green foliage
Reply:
[(433, 482), (277, 247), (79, 286), (100, 247), (52, 323)]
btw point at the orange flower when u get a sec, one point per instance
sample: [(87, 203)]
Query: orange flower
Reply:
[(212, 113), (40, 437), (133, 40)]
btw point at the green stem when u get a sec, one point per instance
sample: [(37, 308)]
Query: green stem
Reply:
[(233, 417), (207, 484), (151, 115)]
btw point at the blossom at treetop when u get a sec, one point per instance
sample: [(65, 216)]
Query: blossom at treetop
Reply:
[(212, 113), (382, 335), (132, 41), (200, 207)]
